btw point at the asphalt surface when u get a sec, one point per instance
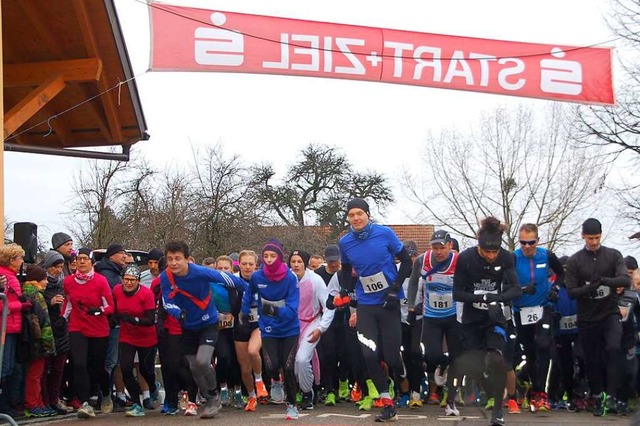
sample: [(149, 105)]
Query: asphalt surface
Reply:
[(342, 414)]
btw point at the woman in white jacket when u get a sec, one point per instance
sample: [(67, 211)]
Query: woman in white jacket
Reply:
[(315, 318)]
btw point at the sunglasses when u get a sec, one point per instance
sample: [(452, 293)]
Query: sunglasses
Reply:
[(528, 243)]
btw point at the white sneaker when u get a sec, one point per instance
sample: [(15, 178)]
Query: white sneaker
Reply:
[(191, 409), (86, 411), (277, 392), (451, 410), (440, 377), (291, 413)]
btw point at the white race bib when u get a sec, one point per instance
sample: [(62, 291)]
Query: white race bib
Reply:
[(225, 321), (374, 283), (602, 292), (483, 305), (569, 323), (253, 314), (440, 300), (530, 315)]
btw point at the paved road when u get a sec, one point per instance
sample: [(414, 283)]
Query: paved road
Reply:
[(342, 414)]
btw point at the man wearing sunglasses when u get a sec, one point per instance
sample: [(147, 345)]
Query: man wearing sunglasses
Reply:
[(593, 274), (533, 310)]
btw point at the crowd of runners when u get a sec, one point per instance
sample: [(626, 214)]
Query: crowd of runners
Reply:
[(372, 321)]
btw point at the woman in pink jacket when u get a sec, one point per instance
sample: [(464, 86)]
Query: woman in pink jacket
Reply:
[(11, 258)]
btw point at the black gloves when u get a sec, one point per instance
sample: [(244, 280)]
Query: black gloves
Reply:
[(129, 318), (270, 310), (411, 317), (553, 294), (96, 312), (529, 288), (496, 314), (391, 300), (162, 331)]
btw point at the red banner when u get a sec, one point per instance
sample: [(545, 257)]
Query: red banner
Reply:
[(189, 39)]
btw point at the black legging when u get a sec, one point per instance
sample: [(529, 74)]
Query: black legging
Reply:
[(332, 353), (281, 353), (378, 326), (537, 340), (412, 354), (175, 370), (603, 354), (433, 332), (227, 367), (356, 360), (127, 354), (88, 355)]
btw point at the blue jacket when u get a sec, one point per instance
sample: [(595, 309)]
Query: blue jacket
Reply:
[(533, 269), (565, 312), (285, 294), (197, 283)]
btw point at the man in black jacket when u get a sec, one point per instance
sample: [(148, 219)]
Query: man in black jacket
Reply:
[(592, 275)]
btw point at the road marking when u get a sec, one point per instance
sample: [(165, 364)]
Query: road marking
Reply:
[(360, 416), (279, 416)]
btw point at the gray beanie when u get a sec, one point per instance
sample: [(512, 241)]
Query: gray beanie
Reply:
[(51, 258), (59, 238)]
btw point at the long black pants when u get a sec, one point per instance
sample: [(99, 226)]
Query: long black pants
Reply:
[(88, 355), (146, 368), (281, 353)]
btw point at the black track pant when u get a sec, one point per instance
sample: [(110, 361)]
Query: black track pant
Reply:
[(356, 360), (537, 340), (146, 368), (175, 369), (281, 353), (379, 330), (227, 367), (412, 354), (603, 354), (334, 363), (88, 355), (433, 332)]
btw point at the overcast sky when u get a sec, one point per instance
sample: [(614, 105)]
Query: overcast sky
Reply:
[(266, 117)]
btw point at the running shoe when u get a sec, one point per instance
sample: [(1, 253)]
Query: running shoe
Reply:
[(147, 404), (291, 413), (611, 405), (440, 376), (252, 404), (261, 392), (86, 411), (392, 389), (106, 406), (543, 403), (36, 412), (623, 408), (388, 414), (372, 391), (497, 419), (415, 401), (378, 403), (490, 403), (512, 406), (307, 401), (599, 405), (277, 392), (211, 407), (135, 411), (343, 389), (191, 409), (571, 406), (356, 392), (238, 402), (184, 399), (171, 411), (433, 399), (451, 410), (330, 400), (225, 398), (403, 402), (365, 404)]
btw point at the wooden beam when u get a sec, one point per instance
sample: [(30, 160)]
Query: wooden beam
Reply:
[(32, 103), (108, 101), (34, 73)]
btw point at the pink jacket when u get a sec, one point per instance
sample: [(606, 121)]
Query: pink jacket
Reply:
[(13, 292)]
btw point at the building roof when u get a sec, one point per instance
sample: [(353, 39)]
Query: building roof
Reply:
[(421, 234), (59, 57)]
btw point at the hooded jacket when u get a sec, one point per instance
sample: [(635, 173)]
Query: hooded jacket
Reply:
[(110, 270), (58, 322)]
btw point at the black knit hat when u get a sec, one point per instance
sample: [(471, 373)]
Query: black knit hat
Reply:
[(86, 251), (591, 226), (358, 203), (303, 254), (113, 249), (631, 262), (155, 254)]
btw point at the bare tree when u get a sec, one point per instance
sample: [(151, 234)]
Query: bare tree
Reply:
[(513, 169), (316, 188)]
